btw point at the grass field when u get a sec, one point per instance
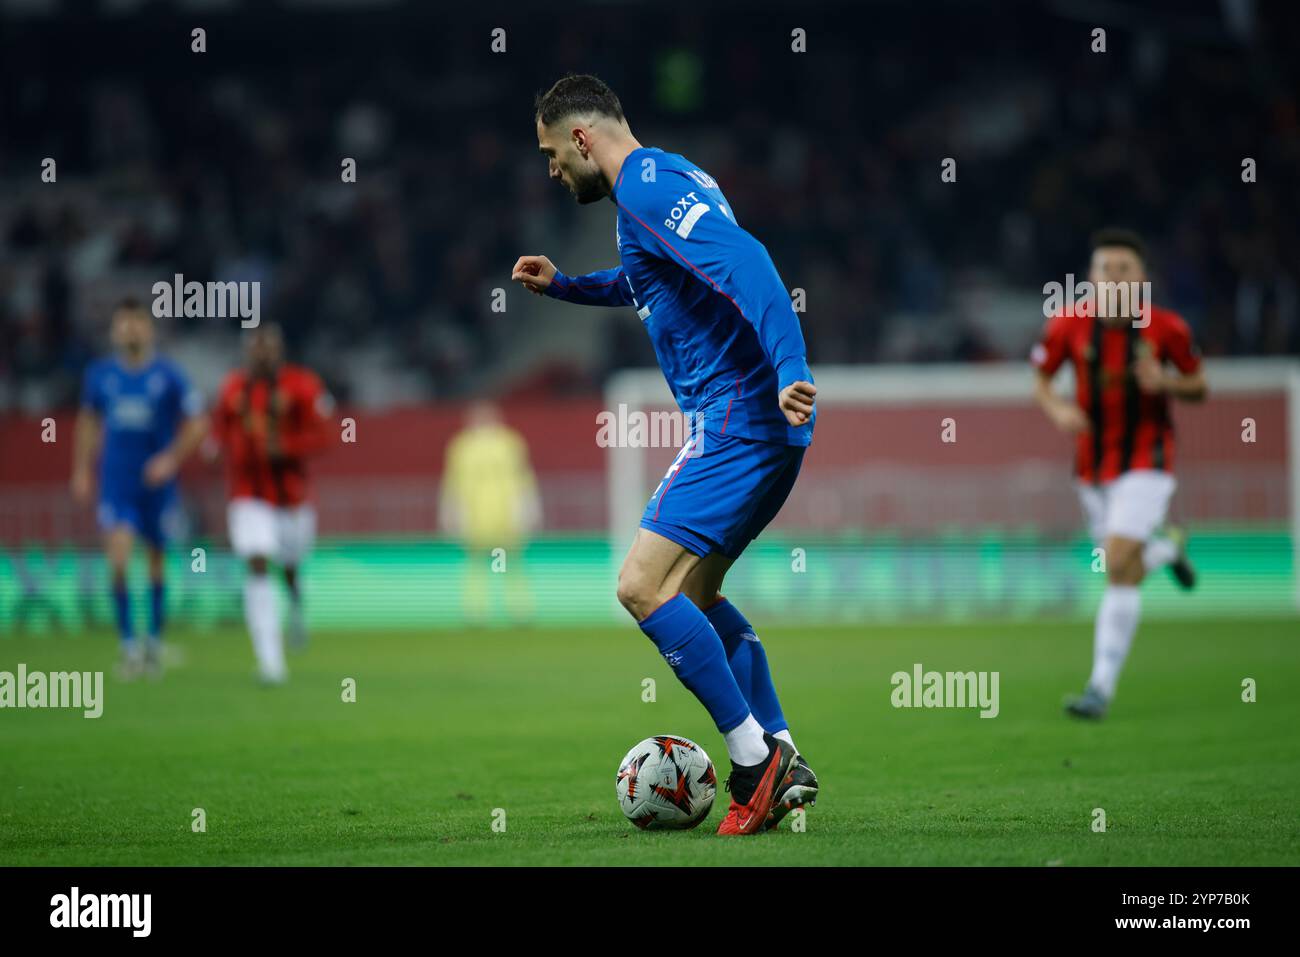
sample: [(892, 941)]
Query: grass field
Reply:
[(450, 725)]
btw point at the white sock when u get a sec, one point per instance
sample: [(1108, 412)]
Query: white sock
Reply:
[(745, 742), (785, 736), (1158, 552), (264, 626), (1117, 620)]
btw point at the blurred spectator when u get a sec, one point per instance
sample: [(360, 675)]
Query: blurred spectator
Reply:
[(228, 168)]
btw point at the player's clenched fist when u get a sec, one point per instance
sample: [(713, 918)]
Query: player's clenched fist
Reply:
[(161, 469), (1149, 375), (1069, 418), (797, 402), (535, 272)]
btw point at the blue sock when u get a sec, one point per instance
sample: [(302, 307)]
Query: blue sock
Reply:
[(156, 596), (748, 663), (692, 649), (122, 605)]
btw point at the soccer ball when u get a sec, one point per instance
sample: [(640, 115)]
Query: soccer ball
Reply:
[(666, 783)]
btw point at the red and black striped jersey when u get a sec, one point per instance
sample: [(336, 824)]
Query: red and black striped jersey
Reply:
[(268, 427), (1131, 429)]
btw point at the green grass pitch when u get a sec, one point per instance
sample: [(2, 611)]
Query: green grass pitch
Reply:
[(450, 725)]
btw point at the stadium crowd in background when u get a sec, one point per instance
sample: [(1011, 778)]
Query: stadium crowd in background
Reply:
[(235, 176)]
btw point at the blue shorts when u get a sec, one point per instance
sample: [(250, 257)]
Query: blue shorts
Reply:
[(721, 492), (152, 513)]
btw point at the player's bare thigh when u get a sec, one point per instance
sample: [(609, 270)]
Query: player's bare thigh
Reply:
[(655, 569)]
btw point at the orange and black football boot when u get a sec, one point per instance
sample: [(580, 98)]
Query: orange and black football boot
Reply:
[(753, 788), (797, 788)]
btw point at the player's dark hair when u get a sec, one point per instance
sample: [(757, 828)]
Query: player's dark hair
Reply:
[(129, 304), (1116, 236), (577, 95), (267, 329)]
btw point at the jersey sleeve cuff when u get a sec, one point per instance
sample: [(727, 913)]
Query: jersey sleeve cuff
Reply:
[(558, 287), (793, 369)]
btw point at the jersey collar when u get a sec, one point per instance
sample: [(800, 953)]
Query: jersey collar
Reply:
[(623, 170), (124, 367)]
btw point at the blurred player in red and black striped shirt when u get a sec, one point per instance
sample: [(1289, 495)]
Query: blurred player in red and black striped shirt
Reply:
[(1124, 455), (270, 417)]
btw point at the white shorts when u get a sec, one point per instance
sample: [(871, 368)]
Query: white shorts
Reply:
[(1132, 506), (260, 529)]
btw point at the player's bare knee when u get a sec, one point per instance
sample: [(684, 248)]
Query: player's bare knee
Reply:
[(257, 564), (1130, 572), (634, 600), (628, 587), (636, 594), (1124, 561)]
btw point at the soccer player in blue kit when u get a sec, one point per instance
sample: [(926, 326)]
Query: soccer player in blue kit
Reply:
[(141, 409), (730, 346)]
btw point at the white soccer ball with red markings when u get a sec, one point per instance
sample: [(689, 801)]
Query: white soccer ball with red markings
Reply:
[(666, 783)]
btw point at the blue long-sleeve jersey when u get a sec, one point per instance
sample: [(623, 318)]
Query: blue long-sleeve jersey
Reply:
[(721, 321), (142, 409)]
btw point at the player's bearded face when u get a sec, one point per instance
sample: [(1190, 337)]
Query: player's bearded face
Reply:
[(579, 174), (587, 184)]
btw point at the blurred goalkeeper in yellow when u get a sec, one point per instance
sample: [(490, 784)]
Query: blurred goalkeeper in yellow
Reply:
[(490, 503)]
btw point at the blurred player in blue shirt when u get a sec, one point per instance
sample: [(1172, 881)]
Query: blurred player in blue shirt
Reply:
[(729, 343), (139, 413)]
